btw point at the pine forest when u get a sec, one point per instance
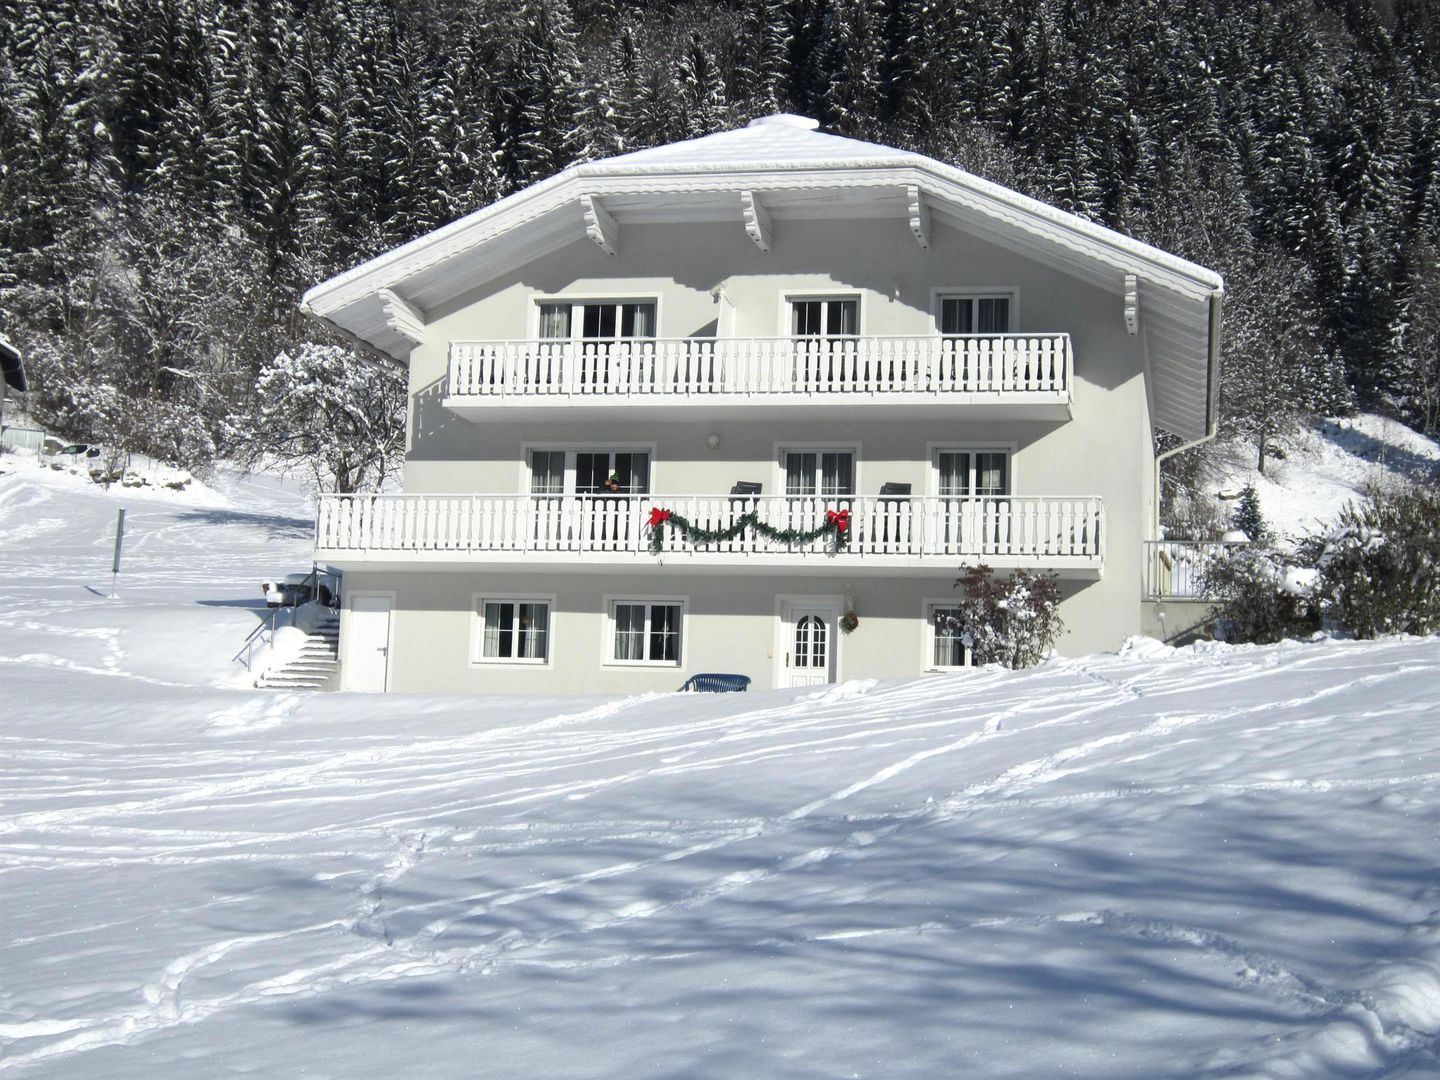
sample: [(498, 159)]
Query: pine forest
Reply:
[(175, 173)]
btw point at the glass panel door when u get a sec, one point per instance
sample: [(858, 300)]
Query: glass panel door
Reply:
[(547, 486), (809, 657), (992, 315), (554, 320), (974, 315), (817, 324), (957, 315), (991, 474)]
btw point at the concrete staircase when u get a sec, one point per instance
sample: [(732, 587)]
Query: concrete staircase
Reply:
[(313, 667)]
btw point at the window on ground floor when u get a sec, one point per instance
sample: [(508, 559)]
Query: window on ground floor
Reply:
[(948, 649), (513, 630), (646, 631)]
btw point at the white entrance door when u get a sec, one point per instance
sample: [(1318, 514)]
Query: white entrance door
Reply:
[(809, 645), (367, 650)]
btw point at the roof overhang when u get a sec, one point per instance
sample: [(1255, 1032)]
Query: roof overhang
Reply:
[(1173, 303)]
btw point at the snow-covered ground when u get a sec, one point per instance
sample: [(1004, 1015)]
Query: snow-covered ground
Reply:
[(1207, 863), (1325, 466)]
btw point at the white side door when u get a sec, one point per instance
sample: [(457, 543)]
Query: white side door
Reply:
[(809, 645), (366, 666)]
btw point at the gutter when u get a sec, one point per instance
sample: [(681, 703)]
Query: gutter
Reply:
[(1212, 400)]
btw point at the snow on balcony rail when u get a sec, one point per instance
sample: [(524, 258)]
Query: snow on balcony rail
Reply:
[(922, 526), (978, 364)]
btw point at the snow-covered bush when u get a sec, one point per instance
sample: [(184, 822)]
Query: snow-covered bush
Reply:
[(330, 410), (1260, 595), (1011, 621), (1380, 564)]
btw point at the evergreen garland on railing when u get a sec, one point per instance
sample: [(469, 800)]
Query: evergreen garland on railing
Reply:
[(837, 524)]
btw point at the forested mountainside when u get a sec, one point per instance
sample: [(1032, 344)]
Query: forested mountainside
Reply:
[(176, 172)]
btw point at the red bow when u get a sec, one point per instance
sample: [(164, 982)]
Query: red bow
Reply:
[(658, 516), (840, 520)]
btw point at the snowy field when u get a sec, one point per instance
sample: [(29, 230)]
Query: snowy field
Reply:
[(1207, 863)]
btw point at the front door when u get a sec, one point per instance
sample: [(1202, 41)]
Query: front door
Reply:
[(809, 645), (367, 643)]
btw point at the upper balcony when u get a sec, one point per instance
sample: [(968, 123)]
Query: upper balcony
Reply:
[(769, 534), (982, 376)]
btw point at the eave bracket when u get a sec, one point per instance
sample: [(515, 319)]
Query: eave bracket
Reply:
[(403, 317), (599, 225), (758, 225), (1132, 305), (919, 214)]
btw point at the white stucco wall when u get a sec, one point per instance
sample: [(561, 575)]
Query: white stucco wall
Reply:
[(1104, 450), (732, 625)]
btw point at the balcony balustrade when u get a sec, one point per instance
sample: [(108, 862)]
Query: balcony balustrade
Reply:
[(1033, 371), (922, 532)]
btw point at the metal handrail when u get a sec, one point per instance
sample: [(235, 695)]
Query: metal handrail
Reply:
[(247, 648)]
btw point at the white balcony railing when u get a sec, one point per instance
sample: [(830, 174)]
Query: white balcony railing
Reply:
[(1066, 530), (991, 366)]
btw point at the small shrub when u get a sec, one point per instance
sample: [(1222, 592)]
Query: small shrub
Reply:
[(1380, 565), (1248, 518), (1261, 596), (1194, 516), (1011, 621)]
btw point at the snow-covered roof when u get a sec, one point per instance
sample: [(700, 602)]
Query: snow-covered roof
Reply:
[(800, 172), (793, 140)]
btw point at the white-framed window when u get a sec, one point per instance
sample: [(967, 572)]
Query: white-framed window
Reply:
[(946, 647), (824, 316), (597, 319), (974, 313), (819, 472), (512, 630), (586, 472), (962, 473), (648, 631)]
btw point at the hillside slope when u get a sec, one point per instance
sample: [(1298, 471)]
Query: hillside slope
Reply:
[(1328, 464)]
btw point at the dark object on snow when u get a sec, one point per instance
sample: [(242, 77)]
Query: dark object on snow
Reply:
[(712, 682), (12, 367), (299, 589)]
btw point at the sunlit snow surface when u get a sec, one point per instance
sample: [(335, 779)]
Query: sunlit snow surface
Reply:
[(1201, 864)]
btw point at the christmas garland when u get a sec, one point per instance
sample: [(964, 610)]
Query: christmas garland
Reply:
[(837, 524)]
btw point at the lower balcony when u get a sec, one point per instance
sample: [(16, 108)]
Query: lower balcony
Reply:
[(714, 533)]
